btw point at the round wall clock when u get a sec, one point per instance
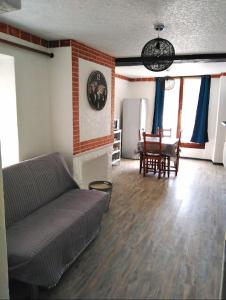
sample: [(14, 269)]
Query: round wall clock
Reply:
[(97, 90)]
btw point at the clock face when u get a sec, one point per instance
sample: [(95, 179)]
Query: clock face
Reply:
[(97, 90)]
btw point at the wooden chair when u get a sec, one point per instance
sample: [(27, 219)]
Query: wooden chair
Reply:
[(141, 153), (153, 160), (174, 166), (166, 158), (165, 132)]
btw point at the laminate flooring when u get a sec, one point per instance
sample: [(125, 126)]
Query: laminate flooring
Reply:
[(161, 239)]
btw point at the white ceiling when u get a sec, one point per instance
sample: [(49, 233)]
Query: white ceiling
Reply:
[(122, 27)]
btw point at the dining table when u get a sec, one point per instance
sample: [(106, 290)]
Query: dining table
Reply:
[(169, 145)]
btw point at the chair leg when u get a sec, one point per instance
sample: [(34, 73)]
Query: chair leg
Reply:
[(164, 166), (177, 165), (159, 167), (144, 166), (155, 166), (141, 162), (168, 166)]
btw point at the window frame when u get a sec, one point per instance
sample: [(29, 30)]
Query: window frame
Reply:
[(179, 115)]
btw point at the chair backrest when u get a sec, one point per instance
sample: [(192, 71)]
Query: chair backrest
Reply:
[(166, 132), (152, 143)]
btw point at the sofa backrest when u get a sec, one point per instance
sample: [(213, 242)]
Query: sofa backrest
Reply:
[(32, 183)]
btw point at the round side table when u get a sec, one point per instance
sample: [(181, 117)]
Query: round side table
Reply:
[(104, 186)]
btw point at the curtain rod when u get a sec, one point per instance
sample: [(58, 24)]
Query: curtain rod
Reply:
[(194, 76), (51, 55)]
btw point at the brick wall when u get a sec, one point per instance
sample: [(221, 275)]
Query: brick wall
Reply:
[(79, 50), (23, 35)]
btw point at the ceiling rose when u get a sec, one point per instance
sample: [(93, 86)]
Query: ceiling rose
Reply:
[(158, 54)]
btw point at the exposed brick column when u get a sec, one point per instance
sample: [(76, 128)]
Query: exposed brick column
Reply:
[(75, 99), (85, 52)]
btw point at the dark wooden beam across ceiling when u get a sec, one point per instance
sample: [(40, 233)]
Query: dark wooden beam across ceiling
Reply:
[(180, 58)]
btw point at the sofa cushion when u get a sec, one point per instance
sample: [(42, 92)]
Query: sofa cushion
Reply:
[(32, 183), (43, 243)]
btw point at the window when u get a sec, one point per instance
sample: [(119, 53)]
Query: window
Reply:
[(180, 104), (8, 112), (171, 105), (190, 101)]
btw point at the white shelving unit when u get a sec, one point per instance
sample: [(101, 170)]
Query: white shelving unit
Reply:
[(116, 151)]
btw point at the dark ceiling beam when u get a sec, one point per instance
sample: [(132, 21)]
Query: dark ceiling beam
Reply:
[(180, 58)]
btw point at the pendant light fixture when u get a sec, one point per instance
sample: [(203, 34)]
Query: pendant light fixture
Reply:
[(160, 52)]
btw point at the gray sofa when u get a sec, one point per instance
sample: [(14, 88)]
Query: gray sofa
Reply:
[(49, 219)]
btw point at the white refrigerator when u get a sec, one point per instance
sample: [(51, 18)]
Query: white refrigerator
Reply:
[(133, 121)]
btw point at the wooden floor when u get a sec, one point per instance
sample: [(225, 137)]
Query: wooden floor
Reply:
[(161, 239)]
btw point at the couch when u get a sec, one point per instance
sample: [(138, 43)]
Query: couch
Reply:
[(49, 219)]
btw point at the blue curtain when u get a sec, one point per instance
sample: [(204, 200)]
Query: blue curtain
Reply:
[(159, 104), (200, 134)]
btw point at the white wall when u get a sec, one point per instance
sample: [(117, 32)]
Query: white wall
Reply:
[(139, 89), (4, 291), (93, 123), (8, 112), (33, 99), (61, 102)]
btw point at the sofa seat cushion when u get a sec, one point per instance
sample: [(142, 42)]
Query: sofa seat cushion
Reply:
[(43, 243)]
